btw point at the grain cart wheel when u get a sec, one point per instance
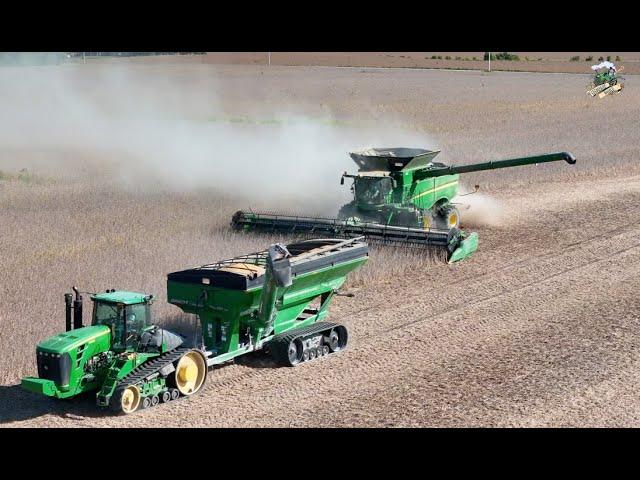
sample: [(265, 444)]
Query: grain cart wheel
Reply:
[(294, 351), (448, 217), (190, 374), (126, 400), (338, 338)]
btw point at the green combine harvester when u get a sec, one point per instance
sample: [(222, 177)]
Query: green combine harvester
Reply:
[(276, 300), (605, 80), (401, 196)]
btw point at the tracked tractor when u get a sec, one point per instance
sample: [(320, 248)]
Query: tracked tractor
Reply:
[(400, 196), (276, 300)]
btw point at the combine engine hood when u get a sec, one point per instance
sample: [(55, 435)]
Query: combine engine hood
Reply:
[(61, 360)]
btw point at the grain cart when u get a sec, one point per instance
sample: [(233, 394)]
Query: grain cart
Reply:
[(400, 196), (275, 299), (605, 81)]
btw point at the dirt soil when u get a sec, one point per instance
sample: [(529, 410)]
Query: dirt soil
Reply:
[(541, 327), (556, 62)]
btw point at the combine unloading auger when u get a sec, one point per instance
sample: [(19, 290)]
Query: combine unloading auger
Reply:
[(400, 197)]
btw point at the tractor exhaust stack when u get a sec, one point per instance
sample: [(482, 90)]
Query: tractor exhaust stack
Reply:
[(77, 309), (67, 311)]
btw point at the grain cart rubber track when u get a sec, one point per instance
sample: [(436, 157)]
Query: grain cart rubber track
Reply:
[(129, 384), (308, 343)]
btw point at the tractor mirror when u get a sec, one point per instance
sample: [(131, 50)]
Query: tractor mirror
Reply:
[(342, 180)]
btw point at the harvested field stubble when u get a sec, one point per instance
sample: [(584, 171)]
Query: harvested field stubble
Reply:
[(540, 327)]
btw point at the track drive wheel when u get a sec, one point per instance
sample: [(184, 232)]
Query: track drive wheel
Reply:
[(294, 352), (338, 338), (190, 373), (448, 217), (126, 399)]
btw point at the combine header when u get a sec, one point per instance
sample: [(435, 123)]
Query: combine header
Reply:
[(276, 299), (605, 81), (401, 196)]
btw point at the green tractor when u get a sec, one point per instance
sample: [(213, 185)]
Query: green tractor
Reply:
[(400, 196), (275, 300)]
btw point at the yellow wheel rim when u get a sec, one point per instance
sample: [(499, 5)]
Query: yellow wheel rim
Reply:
[(130, 399), (190, 373), (453, 220)]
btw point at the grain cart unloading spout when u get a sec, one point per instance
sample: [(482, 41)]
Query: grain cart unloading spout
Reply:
[(277, 276)]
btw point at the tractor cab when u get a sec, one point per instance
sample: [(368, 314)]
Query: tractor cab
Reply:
[(127, 314)]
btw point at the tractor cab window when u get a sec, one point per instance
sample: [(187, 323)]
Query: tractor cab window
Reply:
[(105, 313), (126, 322), (372, 190)]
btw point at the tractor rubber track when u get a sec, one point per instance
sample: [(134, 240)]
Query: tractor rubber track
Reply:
[(150, 368)]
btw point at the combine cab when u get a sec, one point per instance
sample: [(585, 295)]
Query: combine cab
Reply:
[(401, 196), (605, 81)]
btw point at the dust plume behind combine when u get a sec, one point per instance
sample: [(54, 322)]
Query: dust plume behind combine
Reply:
[(478, 209), (142, 131)]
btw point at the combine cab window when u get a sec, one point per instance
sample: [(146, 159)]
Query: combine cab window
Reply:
[(372, 191)]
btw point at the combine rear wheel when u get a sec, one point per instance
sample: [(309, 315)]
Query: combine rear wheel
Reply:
[(190, 374), (126, 399)]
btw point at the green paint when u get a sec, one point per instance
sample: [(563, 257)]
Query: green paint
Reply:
[(465, 249), (126, 298)]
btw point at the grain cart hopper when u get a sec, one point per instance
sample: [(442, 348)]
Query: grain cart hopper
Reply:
[(605, 81), (400, 196), (276, 299)]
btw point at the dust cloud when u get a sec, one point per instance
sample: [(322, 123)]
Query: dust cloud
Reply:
[(143, 128), (479, 209)]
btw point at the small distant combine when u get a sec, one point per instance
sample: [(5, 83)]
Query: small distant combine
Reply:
[(606, 80)]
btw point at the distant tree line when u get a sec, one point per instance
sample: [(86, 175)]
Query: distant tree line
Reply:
[(129, 54)]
